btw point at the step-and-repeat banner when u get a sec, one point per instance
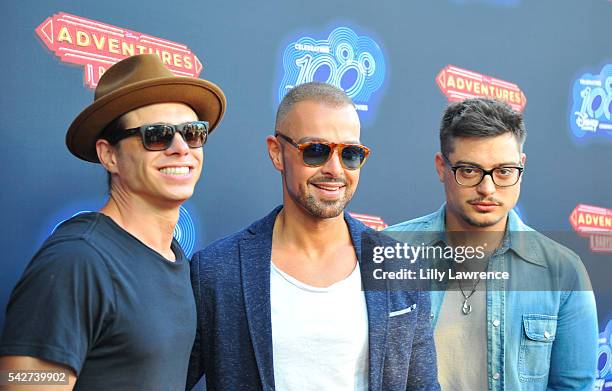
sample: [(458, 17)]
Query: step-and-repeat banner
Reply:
[(401, 63)]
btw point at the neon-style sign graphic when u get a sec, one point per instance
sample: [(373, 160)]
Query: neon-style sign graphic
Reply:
[(590, 113), (586, 219), (374, 222), (459, 84), (595, 223), (96, 46), (350, 62)]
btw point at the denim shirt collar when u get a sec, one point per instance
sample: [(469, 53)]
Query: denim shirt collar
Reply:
[(522, 244)]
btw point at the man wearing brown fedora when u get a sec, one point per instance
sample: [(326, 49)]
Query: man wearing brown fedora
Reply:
[(107, 300)]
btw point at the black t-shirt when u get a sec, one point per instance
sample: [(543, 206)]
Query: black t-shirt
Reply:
[(97, 299)]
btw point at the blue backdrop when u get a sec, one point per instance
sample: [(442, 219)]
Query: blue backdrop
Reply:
[(388, 52)]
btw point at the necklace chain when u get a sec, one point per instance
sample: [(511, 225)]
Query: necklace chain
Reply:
[(467, 307)]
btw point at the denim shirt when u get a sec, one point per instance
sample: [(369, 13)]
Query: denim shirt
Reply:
[(536, 340)]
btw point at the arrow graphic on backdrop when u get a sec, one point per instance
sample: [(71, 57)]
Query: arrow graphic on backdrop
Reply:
[(96, 46)]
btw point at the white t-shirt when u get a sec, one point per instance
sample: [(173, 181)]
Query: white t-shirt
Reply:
[(319, 335)]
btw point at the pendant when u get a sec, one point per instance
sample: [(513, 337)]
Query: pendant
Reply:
[(467, 308)]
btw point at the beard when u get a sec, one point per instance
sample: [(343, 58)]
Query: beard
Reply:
[(480, 224), (321, 208)]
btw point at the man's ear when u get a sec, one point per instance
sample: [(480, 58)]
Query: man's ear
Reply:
[(523, 159), (440, 165), (107, 154), (275, 152)]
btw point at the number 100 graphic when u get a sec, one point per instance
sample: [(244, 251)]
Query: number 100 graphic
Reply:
[(350, 62)]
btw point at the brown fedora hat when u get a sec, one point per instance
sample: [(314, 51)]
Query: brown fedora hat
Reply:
[(135, 82)]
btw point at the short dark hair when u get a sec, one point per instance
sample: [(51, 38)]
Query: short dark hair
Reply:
[(479, 117), (314, 91)]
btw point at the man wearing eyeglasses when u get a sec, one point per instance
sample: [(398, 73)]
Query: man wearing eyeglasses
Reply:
[(106, 303), (280, 303), (538, 329)]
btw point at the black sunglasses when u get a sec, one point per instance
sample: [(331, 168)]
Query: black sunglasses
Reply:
[(317, 153), (158, 137)]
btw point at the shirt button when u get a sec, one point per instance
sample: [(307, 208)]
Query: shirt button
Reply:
[(431, 315), (546, 334), (496, 376), (496, 323)]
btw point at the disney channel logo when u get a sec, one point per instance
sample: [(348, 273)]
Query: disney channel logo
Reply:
[(350, 62), (591, 105)]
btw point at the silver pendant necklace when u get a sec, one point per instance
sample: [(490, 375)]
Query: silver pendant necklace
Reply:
[(467, 307)]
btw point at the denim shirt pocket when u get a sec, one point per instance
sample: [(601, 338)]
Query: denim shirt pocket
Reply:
[(538, 335)]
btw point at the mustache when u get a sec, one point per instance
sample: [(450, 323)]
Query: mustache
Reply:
[(489, 200)]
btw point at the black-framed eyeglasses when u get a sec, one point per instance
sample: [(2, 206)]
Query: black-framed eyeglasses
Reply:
[(158, 137), (317, 153), (471, 176)]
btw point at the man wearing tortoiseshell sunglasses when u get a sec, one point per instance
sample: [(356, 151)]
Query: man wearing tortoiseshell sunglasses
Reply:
[(280, 303)]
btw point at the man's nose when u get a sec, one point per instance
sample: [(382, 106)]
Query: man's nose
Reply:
[(178, 145), (486, 186), (333, 166)]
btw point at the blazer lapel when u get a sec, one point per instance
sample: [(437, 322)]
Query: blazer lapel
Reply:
[(255, 256), (378, 314)]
